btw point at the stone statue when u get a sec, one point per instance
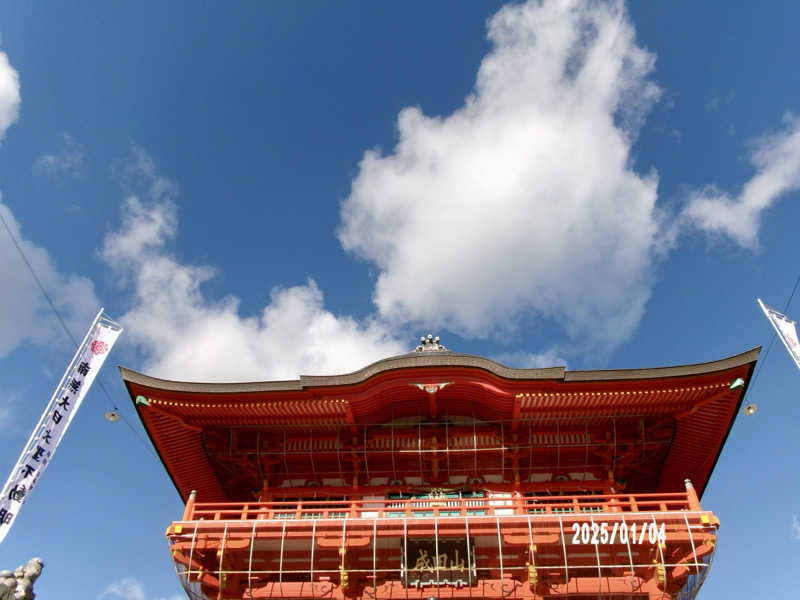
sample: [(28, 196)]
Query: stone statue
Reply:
[(18, 584)]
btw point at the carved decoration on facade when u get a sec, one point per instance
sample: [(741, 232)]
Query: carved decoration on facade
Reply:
[(430, 388)]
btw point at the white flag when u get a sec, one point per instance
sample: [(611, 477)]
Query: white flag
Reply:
[(56, 417), (786, 331)]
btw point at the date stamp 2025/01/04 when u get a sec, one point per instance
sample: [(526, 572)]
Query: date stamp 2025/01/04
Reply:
[(619, 532)]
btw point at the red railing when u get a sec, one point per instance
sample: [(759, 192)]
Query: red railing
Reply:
[(442, 507)]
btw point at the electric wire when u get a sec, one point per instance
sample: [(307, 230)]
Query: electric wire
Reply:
[(38, 282), (66, 329)]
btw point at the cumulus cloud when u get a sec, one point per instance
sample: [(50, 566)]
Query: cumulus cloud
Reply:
[(522, 203), (66, 161), (776, 157), (25, 315), (185, 335), (130, 589), (9, 94)]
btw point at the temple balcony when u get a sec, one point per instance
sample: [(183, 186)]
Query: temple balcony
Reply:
[(610, 546)]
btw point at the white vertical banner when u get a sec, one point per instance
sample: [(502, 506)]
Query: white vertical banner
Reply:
[(785, 329), (56, 417)]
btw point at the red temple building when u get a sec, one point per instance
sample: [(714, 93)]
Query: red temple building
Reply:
[(443, 475)]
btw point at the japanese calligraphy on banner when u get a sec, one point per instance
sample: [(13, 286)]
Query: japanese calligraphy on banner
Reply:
[(786, 331), (56, 417)]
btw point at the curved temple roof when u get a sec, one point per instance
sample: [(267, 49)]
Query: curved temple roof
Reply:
[(439, 359), (697, 403)]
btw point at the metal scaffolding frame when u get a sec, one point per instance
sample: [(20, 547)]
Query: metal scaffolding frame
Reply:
[(585, 448), (516, 547)]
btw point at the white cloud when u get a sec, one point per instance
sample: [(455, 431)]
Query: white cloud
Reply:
[(715, 100), (777, 159), (185, 335), (131, 589), (128, 589), (67, 161), (9, 94), (523, 201), (5, 413), (531, 360), (795, 528), (138, 175), (24, 313)]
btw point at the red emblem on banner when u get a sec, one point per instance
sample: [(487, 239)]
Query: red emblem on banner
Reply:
[(98, 347)]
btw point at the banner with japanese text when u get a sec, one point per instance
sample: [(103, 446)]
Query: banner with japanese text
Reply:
[(785, 329), (57, 416)]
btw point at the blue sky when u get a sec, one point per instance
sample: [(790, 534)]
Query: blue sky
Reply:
[(261, 190)]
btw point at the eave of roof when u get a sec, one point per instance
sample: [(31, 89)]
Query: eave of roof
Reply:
[(438, 359)]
